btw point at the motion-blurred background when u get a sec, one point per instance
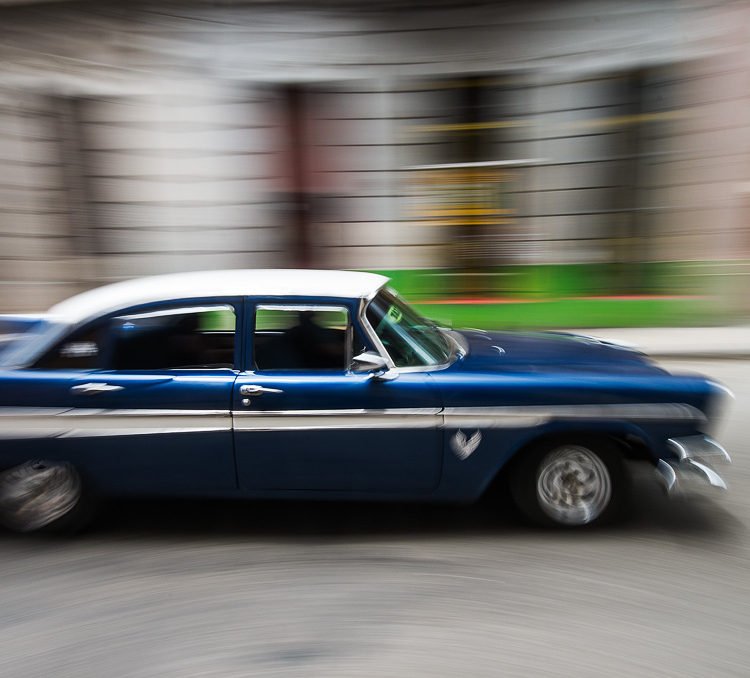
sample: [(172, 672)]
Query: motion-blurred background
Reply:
[(573, 163), (558, 164)]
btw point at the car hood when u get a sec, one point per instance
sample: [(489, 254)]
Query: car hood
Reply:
[(508, 350)]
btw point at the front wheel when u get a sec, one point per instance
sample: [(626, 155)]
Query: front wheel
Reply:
[(571, 483)]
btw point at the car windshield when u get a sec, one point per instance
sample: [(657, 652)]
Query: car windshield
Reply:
[(410, 339)]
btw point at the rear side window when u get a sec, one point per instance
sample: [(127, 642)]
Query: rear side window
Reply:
[(200, 337), (82, 350), (195, 337)]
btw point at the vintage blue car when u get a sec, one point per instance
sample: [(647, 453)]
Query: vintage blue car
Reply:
[(326, 385)]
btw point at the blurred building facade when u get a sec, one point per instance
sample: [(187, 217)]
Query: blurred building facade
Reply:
[(146, 138)]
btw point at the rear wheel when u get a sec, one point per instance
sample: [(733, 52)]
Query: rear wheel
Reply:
[(570, 483), (42, 496)]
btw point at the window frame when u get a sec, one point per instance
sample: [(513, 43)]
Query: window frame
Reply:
[(425, 367), (353, 330)]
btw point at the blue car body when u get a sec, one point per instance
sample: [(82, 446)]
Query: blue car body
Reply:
[(430, 432)]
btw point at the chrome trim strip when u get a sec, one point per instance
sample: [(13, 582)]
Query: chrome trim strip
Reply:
[(482, 417), (313, 420), (281, 306), (177, 309), (35, 422), (454, 417), (44, 422), (423, 368), (508, 419), (370, 332), (411, 411)]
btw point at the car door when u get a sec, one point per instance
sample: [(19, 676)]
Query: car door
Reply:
[(304, 422), (138, 401)]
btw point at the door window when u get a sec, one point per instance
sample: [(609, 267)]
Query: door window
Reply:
[(301, 338)]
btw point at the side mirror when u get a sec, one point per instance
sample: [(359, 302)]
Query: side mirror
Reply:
[(369, 361), (375, 364)]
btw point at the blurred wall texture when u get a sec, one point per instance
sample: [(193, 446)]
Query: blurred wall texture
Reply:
[(484, 149)]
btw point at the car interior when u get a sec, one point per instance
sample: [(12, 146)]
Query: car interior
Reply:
[(299, 339)]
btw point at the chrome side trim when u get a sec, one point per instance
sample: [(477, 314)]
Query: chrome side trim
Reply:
[(510, 417), (454, 417), (36, 422), (178, 310), (515, 416), (313, 420), (44, 422), (423, 368)]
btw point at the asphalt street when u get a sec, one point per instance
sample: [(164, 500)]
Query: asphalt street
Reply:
[(322, 590)]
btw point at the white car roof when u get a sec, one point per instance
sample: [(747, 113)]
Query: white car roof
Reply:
[(240, 282)]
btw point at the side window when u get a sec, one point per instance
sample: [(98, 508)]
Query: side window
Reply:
[(302, 338), (166, 338), (180, 337), (82, 350)]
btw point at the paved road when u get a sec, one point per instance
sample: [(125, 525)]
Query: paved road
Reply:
[(340, 590)]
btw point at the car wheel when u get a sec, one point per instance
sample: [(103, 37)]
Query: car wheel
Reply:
[(42, 496), (570, 484)]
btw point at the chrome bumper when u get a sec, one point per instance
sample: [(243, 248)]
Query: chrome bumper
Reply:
[(693, 468)]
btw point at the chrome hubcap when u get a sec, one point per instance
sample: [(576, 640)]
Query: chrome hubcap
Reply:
[(573, 485), (37, 493)]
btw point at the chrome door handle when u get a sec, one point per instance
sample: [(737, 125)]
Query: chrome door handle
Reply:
[(95, 387), (255, 390)]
